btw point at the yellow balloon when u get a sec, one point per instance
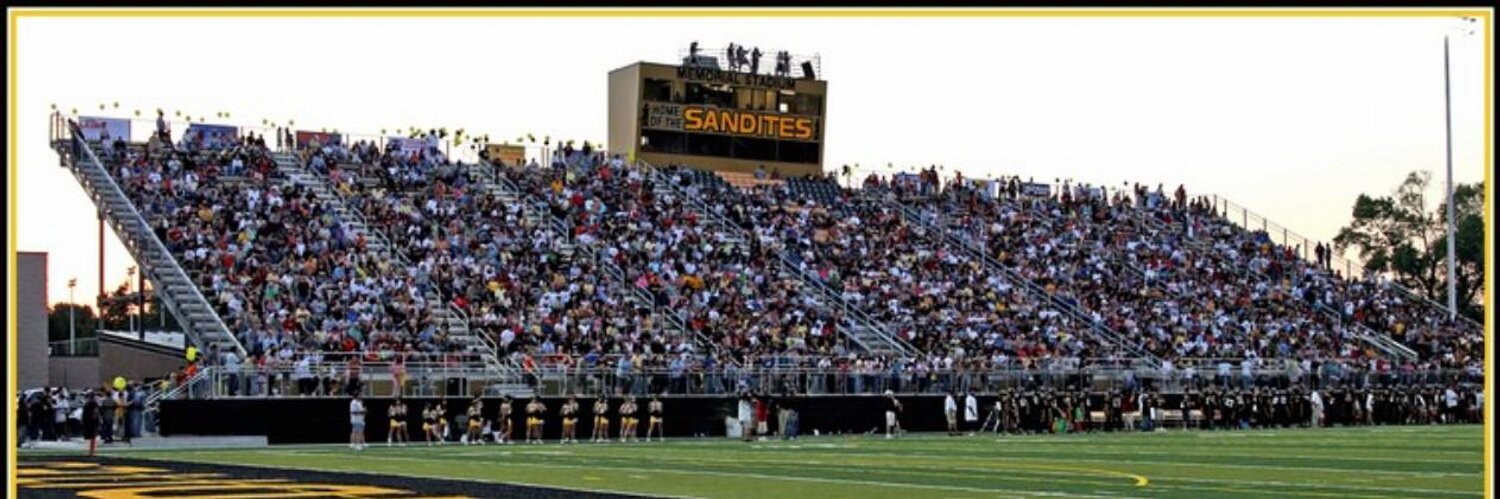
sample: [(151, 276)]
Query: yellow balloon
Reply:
[(119, 382), (192, 354)]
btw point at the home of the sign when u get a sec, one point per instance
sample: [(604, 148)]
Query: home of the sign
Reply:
[(701, 119)]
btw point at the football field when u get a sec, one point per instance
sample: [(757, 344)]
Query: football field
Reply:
[(1378, 462)]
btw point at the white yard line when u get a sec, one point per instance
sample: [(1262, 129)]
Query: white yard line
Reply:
[(1103, 473), (1160, 463), (428, 477), (760, 476), (1321, 486)]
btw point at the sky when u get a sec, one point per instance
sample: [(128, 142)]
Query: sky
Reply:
[(1292, 118)]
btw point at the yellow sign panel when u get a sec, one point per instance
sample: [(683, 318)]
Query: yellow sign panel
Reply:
[(771, 126), (707, 119), (506, 154)]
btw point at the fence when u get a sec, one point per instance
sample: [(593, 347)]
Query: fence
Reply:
[(142, 127), (1252, 221), (80, 347), (765, 65), (379, 380)]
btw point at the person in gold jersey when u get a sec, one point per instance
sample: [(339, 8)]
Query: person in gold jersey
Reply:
[(505, 426), (476, 422), (535, 411), (628, 420), (601, 419), (397, 432), (570, 420), (655, 423)]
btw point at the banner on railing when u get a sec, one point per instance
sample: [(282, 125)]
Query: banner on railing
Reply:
[(312, 140), (505, 154), (906, 179), (104, 129), (405, 145), (211, 136), (988, 188), (1036, 189)]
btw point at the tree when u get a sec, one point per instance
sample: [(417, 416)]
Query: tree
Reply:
[(84, 325), (1399, 238)]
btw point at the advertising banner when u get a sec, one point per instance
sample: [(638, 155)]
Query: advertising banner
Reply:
[(986, 187), (506, 154), (211, 136), (105, 129), (1036, 189), (308, 139), (405, 146), (910, 180)]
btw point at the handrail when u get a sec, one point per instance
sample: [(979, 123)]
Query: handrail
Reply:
[(1131, 267), (691, 379), (1359, 330), (392, 249), (672, 316), (185, 384), (159, 246), (827, 293), (1107, 335), (354, 214), (1223, 207), (900, 345)]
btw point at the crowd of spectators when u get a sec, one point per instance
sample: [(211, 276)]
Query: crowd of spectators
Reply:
[(285, 274), (592, 257), (1180, 279)]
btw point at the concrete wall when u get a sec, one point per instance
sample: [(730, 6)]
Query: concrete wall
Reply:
[(31, 320), (625, 110), (135, 360), (74, 372)]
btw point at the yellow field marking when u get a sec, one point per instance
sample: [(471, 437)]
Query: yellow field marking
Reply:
[(138, 482), (83, 471), (263, 489), (88, 482)]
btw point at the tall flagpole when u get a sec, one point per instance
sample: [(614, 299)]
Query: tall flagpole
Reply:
[(1452, 258)]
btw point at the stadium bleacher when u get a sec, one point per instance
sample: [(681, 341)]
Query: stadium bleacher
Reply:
[(351, 249)]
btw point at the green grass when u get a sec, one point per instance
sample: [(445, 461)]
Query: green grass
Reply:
[(1384, 462)]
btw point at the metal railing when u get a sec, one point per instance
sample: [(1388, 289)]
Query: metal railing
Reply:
[(1249, 220), (607, 378), (766, 65), (613, 271), (829, 297), (79, 347), (1356, 329), (149, 238), (1102, 333)]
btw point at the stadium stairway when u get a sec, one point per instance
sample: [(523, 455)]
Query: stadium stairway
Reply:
[(1101, 332), (871, 335), (182, 297), (537, 213), (453, 321), (1385, 344)]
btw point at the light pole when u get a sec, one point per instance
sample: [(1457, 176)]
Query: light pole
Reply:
[(1448, 193), (130, 277), (72, 307), (1448, 122)]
